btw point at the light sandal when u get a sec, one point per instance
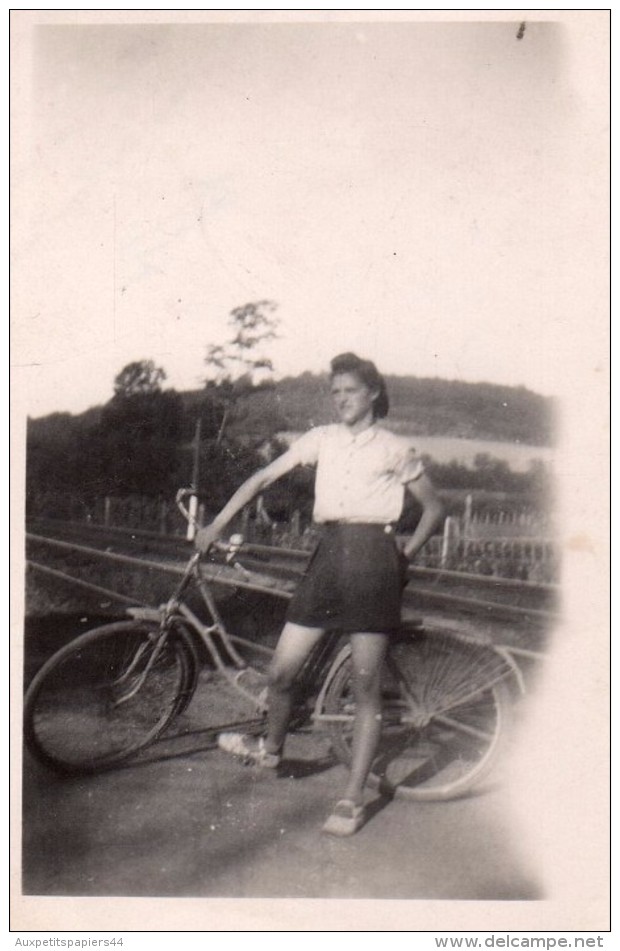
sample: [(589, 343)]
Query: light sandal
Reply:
[(249, 749), (346, 818)]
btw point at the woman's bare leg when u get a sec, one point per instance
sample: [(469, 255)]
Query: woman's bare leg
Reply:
[(294, 646), (368, 652)]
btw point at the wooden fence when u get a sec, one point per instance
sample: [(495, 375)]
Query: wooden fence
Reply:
[(500, 544)]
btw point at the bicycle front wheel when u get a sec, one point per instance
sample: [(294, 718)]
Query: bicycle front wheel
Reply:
[(446, 708), (106, 695)]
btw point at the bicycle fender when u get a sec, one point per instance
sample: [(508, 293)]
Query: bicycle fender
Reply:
[(182, 633), (514, 667)]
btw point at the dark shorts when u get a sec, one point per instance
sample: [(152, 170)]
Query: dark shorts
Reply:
[(353, 582)]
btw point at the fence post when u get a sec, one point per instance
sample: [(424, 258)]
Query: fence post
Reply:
[(245, 522), (449, 541), (191, 525), (467, 516), (262, 515), (106, 511), (296, 524)]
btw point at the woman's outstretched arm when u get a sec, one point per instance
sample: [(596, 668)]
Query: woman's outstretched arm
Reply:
[(245, 493)]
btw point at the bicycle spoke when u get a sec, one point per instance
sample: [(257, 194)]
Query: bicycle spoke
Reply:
[(443, 714), (106, 695), (464, 728)]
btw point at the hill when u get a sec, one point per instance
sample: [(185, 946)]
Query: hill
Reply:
[(419, 407), (435, 407), (141, 446)]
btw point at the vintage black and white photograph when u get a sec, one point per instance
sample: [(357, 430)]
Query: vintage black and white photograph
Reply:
[(309, 374)]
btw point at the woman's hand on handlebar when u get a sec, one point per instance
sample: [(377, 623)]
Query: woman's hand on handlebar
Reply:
[(206, 537)]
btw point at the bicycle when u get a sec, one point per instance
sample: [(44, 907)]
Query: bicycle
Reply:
[(114, 690)]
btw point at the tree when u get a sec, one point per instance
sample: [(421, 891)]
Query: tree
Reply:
[(253, 325), (133, 446), (139, 377), (137, 440), (239, 366)]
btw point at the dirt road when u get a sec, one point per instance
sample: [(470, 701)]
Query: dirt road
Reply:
[(189, 821)]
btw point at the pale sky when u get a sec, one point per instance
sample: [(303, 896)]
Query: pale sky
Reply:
[(416, 191)]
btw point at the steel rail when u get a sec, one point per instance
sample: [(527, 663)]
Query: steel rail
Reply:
[(412, 595), (297, 554), (478, 605), (491, 581), (232, 579), (63, 576)]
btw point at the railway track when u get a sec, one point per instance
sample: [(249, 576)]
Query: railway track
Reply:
[(524, 609)]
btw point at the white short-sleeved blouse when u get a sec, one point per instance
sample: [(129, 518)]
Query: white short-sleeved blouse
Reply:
[(359, 478)]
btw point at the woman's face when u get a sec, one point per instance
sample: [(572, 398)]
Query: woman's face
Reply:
[(353, 400)]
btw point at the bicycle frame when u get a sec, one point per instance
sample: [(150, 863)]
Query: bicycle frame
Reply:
[(219, 643), (176, 610)]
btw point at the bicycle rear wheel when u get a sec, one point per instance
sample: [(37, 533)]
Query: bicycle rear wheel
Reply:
[(446, 709), (107, 695)]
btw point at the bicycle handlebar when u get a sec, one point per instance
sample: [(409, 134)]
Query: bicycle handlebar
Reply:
[(229, 548)]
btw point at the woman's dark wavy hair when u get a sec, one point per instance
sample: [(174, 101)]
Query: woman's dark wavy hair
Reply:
[(368, 374)]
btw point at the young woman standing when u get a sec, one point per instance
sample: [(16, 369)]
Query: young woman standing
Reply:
[(354, 580)]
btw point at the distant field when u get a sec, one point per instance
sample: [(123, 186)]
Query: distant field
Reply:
[(445, 449)]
